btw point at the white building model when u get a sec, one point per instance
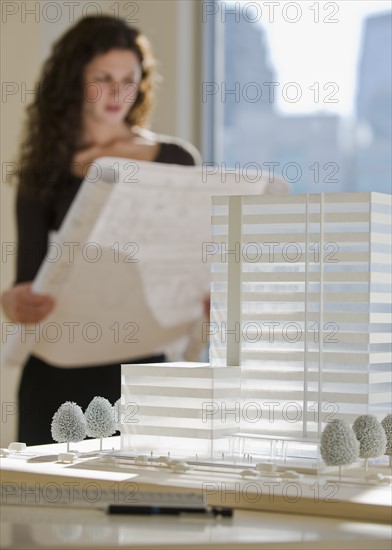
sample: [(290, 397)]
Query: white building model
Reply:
[(299, 329), (173, 407)]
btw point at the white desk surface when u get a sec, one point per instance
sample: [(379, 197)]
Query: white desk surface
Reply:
[(54, 527)]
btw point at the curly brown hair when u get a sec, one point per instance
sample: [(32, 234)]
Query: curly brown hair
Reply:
[(54, 119)]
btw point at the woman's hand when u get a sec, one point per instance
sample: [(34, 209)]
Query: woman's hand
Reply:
[(21, 305)]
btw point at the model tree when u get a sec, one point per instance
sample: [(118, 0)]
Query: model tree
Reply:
[(100, 419), (339, 445), (371, 437), (386, 423), (69, 424)]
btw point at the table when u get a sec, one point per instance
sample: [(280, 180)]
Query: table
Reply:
[(27, 526)]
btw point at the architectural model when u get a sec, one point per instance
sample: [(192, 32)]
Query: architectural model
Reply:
[(299, 330), (299, 335)]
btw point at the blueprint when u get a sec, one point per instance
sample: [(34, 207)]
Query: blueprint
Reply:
[(128, 267)]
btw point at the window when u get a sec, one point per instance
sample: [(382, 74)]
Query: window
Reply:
[(301, 89)]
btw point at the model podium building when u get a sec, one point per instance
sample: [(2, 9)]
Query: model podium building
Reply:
[(177, 407), (300, 307)]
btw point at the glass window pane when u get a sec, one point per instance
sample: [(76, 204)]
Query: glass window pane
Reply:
[(305, 92)]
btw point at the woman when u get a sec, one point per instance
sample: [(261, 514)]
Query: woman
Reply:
[(94, 99)]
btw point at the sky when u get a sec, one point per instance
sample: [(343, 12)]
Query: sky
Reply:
[(317, 54)]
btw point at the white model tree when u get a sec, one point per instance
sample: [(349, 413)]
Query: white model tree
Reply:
[(69, 424), (339, 445), (386, 423), (100, 419), (371, 437)]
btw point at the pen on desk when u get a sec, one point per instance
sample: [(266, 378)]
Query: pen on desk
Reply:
[(167, 510)]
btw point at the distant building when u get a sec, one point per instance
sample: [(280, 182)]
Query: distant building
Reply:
[(374, 93), (372, 161), (246, 69)]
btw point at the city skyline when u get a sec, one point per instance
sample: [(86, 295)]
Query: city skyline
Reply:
[(334, 60), (317, 151)]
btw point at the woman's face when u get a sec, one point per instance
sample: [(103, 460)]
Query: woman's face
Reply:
[(111, 84)]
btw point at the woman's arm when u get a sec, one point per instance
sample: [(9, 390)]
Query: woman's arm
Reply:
[(19, 303), (33, 220), (118, 148), (146, 147)]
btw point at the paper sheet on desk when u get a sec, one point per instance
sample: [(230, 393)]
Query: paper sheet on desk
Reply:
[(129, 276)]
